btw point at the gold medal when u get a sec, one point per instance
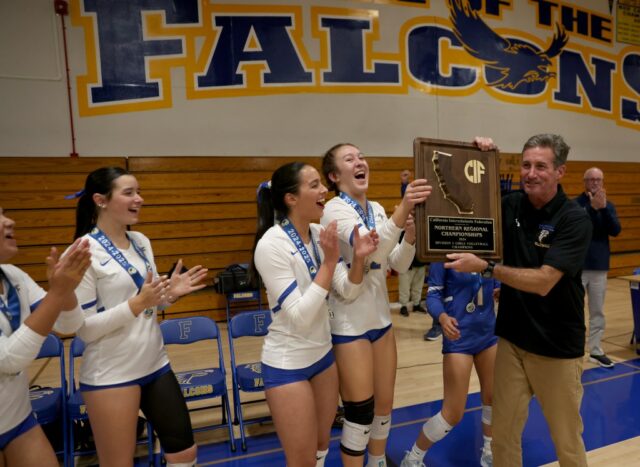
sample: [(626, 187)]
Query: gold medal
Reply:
[(471, 307)]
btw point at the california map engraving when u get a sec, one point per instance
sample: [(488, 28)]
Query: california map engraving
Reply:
[(451, 188)]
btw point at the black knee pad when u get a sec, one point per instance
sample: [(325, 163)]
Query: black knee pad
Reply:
[(359, 412), (162, 403)]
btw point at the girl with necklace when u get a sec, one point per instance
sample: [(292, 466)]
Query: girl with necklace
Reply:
[(363, 339), (299, 262), (125, 367), (27, 316)]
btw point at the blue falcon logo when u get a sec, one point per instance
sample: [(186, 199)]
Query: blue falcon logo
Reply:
[(518, 62)]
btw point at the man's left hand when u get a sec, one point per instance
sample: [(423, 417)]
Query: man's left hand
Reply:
[(465, 262)]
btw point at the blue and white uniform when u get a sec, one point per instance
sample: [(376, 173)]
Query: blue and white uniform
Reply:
[(299, 334), (456, 294), (19, 344), (120, 347), (351, 317)]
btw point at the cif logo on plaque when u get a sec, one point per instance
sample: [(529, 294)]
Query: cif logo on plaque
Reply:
[(473, 170)]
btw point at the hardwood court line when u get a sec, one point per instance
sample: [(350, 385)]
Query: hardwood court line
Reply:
[(612, 378), (633, 371)]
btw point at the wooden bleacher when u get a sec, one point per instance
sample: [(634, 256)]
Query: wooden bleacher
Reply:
[(202, 209)]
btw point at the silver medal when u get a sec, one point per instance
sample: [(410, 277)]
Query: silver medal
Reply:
[(471, 307)]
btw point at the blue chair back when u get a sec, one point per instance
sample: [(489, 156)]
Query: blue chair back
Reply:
[(250, 323), (51, 347), (77, 349), (188, 330)]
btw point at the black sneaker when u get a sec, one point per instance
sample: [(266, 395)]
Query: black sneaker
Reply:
[(420, 308), (434, 333), (404, 311), (602, 360)]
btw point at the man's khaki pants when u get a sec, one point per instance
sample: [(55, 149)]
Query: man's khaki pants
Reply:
[(556, 383)]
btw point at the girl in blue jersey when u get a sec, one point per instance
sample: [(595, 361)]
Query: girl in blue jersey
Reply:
[(463, 303), (299, 262), (27, 315), (125, 366)]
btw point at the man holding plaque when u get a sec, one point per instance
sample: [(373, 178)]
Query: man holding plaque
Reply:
[(540, 322)]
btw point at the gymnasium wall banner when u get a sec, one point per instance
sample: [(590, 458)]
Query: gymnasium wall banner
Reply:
[(550, 52)]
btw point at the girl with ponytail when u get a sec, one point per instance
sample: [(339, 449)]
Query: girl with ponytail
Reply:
[(299, 263), (125, 367)]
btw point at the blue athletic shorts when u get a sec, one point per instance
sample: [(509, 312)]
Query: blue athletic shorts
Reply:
[(371, 336), (22, 427), (468, 346), (273, 377), (136, 382)]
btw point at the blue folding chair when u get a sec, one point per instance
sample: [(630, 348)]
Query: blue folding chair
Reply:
[(49, 403), (247, 377), (77, 413), (201, 383)]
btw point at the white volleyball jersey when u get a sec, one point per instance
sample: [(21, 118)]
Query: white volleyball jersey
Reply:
[(371, 309), (299, 334), (120, 347), (20, 347)]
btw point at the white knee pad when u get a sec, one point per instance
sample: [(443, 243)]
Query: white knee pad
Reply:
[(182, 464), (380, 427), (487, 411), (436, 428), (354, 438)]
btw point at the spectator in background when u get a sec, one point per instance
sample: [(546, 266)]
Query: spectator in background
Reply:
[(594, 274)]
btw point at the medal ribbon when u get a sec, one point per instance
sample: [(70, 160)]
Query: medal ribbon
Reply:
[(11, 309), (292, 233), (474, 296), (368, 219), (116, 254)]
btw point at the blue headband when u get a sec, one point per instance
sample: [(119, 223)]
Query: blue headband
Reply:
[(266, 184), (75, 195)]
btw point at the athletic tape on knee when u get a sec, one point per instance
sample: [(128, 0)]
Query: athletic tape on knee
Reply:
[(380, 427), (354, 438), (487, 412), (357, 426), (436, 428)]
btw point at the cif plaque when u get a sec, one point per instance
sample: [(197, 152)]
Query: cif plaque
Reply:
[(463, 212)]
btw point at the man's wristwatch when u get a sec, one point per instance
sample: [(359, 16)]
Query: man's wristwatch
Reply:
[(488, 272)]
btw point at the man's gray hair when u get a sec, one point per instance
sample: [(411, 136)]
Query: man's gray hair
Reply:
[(554, 142)]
